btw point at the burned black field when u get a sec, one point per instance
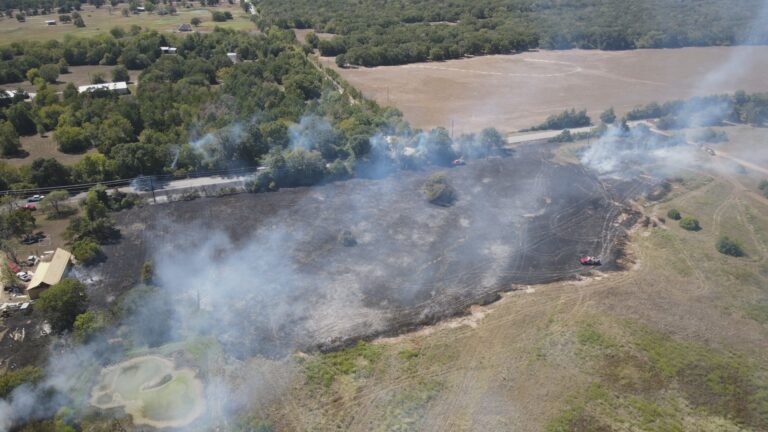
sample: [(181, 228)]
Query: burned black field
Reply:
[(271, 274)]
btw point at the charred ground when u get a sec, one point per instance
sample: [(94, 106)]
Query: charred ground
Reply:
[(521, 219)]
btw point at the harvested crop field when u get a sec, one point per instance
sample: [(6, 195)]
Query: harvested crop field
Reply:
[(511, 92), (521, 219)]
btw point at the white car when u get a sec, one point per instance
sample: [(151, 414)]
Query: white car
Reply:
[(35, 198), (25, 276)]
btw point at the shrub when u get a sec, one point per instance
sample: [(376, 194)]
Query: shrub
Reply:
[(190, 195), (439, 191), (730, 247), (11, 380), (225, 191), (120, 73), (689, 223), (346, 238), (147, 272), (49, 72), (673, 214), (86, 324), (87, 251), (221, 16), (764, 187)]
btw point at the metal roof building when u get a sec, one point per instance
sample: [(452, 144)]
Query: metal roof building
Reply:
[(49, 273), (119, 87)]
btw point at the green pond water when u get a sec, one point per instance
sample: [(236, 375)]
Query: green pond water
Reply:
[(152, 391)]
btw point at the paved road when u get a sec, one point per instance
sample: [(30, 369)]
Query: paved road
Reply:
[(535, 136)]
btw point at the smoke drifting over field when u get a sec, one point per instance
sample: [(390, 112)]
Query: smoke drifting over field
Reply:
[(622, 154)]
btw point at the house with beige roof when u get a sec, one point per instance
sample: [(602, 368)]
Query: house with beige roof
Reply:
[(49, 272)]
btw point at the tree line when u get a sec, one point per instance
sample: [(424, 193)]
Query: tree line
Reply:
[(196, 110), (372, 33)]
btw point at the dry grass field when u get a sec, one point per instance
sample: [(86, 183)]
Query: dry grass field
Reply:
[(37, 146), (511, 92), (103, 19)]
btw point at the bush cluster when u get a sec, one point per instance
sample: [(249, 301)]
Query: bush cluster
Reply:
[(730, 247), (439, 191), (690, 223)]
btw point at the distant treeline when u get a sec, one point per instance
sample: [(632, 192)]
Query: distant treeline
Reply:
[(706, 111), (372, 32)]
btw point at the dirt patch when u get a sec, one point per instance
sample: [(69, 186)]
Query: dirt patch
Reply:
[(510, 92)]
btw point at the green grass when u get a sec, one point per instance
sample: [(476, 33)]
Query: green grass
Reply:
[(406, 409), (758, 312), (324, 368), (658, 383), (170, 401)]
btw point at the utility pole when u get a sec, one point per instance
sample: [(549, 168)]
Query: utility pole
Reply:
[(451, 128)]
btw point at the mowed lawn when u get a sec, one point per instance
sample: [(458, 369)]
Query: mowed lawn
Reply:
[(102, 20)]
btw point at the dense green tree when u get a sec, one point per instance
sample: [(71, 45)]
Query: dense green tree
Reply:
[(113, 131), (72, 139), (608, 116), (55, 201), (48, 173), (9, 139), (22, 118), (93, 168), (49, 72), (120, 73), (18, 223), (62, 303), (86, 251)]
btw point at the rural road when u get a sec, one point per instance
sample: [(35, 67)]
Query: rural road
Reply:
[(719, 152), (534, 136)]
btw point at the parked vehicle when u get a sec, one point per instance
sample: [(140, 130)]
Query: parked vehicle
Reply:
[(25, 276), (590, 260), (35, 198), (30, 207)]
